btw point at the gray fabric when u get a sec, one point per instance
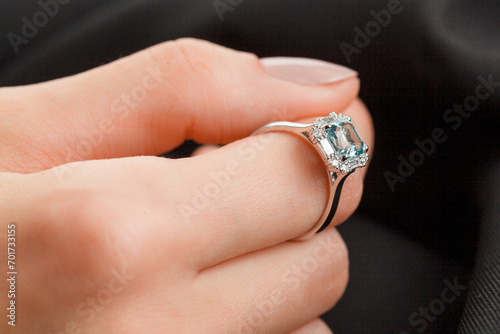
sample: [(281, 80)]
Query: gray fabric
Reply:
[(482, 311)]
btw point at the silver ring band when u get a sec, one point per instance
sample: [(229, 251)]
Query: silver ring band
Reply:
[(342, 151)]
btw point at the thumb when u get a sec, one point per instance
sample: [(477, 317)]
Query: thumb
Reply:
[(152, 101)]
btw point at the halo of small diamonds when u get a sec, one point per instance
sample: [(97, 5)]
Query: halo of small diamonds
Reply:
[(342, 163)]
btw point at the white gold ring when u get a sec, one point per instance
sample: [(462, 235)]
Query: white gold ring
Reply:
[(342, 150)]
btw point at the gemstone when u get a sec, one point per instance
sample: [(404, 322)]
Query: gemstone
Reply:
[(345, 139)]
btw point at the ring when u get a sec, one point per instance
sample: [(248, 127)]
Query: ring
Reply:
[(339, 145)]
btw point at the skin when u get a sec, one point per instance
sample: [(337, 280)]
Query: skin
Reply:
[(86, 215)]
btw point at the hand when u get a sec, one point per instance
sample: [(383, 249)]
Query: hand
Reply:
[(152, 245)]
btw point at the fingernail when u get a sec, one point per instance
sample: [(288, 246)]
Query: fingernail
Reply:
[(306, 71)]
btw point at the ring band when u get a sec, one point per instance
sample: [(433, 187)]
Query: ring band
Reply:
[(342, 150)]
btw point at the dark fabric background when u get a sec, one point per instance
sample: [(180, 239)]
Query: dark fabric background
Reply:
[(403, 244)]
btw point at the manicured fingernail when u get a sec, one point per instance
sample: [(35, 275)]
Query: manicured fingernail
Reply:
[(306, 71)]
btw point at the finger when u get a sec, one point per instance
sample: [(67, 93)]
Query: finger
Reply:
[(259, 192), (278, 289), (317, 326), (152, 101), (204, 149)]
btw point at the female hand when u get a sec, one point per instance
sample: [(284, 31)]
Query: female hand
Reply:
[(152, 245)]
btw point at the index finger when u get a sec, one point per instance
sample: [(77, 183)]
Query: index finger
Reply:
[(254, 193)]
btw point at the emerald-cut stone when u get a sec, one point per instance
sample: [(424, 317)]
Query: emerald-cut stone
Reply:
[(345, 139)]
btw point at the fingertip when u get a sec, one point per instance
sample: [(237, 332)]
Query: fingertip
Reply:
[(325, 86), (306, 71), (339, 95), (292, 101), (363, 121)]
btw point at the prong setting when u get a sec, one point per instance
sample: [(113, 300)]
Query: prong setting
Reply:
[(350, 151)]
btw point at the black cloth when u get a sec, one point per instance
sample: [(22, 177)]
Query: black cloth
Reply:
[(482, 311), (417, 67)]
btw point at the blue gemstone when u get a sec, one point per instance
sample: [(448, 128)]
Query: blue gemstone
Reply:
[(345, 139)]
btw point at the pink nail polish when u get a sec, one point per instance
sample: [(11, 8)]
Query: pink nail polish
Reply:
[(306, 71)]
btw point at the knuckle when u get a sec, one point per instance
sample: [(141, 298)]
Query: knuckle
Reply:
[(194, 54), (180, 57), (207, 58), (71, 233), (251, 59), (69, 246), (190, 43)]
